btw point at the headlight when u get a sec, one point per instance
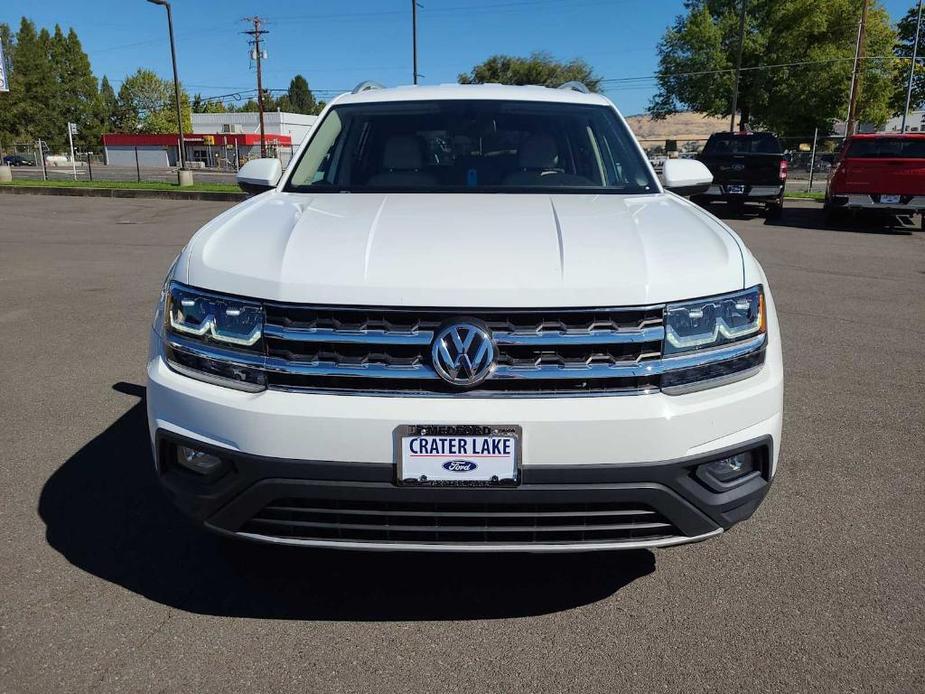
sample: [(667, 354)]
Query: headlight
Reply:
[(214, 338), (715, 321), (221, 319)]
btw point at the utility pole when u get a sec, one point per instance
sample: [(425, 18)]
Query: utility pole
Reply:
[(414, 40), (176, 82), (915, 53), (257, 55), (851, 125), (735, 87)]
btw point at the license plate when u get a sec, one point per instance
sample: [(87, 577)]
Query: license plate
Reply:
[(889, 199), (735, 190), (463, 455)]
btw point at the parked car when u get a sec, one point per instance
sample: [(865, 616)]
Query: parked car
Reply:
[(747, 167), (884, 173), (17, 160), (528, 343)]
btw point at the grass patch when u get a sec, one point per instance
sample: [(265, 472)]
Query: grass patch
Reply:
[(125, 185), (805, 196)]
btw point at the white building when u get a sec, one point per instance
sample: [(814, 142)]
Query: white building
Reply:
[(915, 123), (295, 125)]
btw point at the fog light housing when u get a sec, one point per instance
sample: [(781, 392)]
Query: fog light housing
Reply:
[(731, 471), (200, 462)]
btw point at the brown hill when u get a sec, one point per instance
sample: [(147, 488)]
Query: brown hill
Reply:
[(683, 127)]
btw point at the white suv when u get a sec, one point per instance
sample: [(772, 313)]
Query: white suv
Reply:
[(467, 318)]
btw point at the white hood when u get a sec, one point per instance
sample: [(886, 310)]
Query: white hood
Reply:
[(465, 250)]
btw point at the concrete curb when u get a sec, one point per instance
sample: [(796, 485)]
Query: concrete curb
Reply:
[(214, 196)]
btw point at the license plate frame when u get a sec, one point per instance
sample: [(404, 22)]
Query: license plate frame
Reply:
[(890, 199), (402, 432)]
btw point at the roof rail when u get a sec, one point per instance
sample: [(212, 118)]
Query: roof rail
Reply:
[(366, 86), (576, 86)]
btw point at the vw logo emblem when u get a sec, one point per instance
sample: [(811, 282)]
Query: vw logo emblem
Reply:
[(463, 354)]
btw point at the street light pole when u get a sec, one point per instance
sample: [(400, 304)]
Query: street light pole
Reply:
[(735, 87), (915, 52), (414, 40), (176, 81)]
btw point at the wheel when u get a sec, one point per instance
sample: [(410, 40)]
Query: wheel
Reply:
[(773, 210)]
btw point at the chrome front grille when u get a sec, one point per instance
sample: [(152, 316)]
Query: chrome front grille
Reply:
[(559, 352), (568, 350)]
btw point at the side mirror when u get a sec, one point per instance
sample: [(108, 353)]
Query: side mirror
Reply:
[(259, 175), (686, 176)]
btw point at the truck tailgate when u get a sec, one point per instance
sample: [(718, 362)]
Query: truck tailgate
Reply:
[(750, 169), (891, 176)]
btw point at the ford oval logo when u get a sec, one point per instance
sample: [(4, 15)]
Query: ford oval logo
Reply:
[(459, 466)]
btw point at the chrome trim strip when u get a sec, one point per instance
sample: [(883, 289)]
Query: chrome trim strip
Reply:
[(425, 372), (478, 394), (501, 338), (372, 337), (594, 337), (446, 547), (321, 368), (197, 349)]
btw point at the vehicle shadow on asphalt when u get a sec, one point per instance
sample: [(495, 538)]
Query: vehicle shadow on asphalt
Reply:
[(814, 219), (105, 512)]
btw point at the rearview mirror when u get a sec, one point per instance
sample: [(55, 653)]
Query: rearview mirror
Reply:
[(259, 175), (686, 176)]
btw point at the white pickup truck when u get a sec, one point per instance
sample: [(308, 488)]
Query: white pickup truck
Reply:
[(467, 318)]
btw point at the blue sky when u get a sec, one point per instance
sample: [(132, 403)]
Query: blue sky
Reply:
[(336, 45)]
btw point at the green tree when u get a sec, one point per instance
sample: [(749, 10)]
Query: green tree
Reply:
[(147, 105), (77, 89), (797, 63), (540, 68), (905, 31), (28, 112), (201, 105), (299, 98), (108, 106)]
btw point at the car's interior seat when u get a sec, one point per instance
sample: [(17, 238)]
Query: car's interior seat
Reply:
[(402, 163), (538, 165)]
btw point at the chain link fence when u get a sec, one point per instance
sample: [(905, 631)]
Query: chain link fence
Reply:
[(143, 164)]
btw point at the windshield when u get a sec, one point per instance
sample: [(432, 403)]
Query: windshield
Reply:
[(732, 143), (887, 148), (471, 147)]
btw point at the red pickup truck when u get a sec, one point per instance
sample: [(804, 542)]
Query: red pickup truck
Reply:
[(878, 172)]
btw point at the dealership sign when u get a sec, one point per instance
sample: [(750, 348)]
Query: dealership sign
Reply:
[(4, 83)]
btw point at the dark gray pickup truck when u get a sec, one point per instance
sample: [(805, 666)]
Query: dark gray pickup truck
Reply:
[(747, 167)]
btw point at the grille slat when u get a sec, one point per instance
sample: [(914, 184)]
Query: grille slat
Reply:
[(458, 523), (347, 527), (457, 514)]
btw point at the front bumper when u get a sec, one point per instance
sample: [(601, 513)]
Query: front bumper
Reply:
[(555, 508), (300, 456)]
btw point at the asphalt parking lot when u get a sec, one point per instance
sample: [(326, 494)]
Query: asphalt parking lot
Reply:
[(104, 587)]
